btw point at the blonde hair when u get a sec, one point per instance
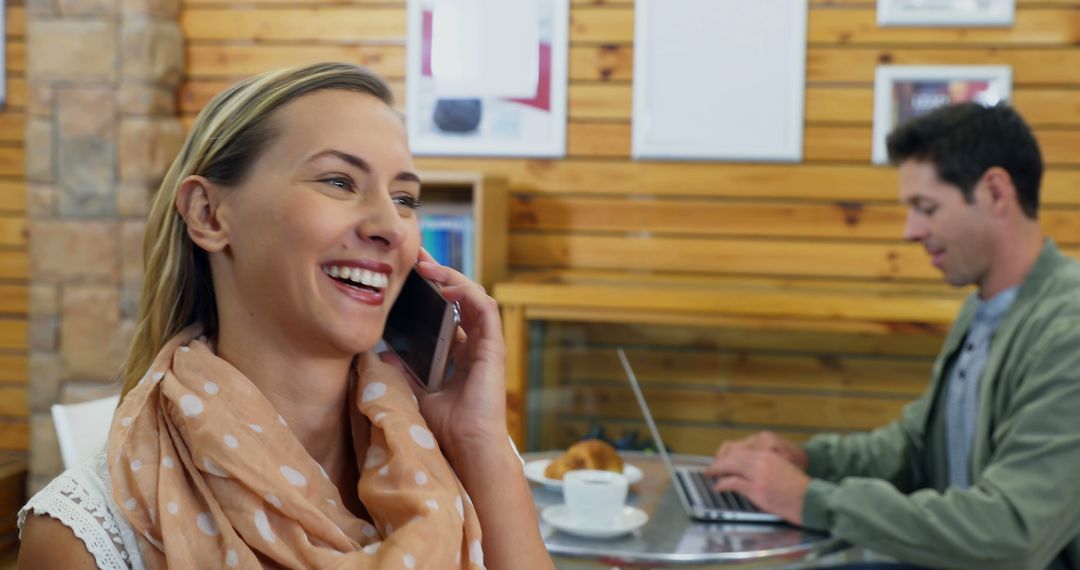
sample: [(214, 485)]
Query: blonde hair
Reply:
[(228, 136)]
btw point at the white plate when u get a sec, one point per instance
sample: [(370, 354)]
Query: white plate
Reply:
[(560, 517), (534, 471)]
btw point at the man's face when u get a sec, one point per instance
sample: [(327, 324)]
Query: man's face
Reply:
[(956, 234)]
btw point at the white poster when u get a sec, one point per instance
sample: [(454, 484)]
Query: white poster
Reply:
[(487, 78), (719, 79), (971, 13)]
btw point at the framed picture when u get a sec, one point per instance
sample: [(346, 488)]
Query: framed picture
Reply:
[(697, 94), (973, 13), (487, 78), (902, 92)]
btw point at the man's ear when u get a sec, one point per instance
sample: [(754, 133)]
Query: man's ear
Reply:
[(199, 203), (1002, 192)]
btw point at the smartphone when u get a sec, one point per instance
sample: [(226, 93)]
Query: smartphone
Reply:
[(420, 329)]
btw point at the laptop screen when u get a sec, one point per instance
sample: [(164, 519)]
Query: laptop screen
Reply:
[(660, 448)]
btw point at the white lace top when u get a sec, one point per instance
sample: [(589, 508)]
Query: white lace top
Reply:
[(81, 499)]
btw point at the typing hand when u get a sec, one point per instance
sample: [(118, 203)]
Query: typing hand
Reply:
[(766, 441), (770, 481)]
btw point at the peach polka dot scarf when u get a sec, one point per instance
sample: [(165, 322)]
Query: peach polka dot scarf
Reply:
[(209, 475)]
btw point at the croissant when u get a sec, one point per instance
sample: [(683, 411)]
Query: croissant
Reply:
[(588, 454)]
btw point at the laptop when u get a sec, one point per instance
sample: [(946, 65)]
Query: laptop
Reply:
[(694, 488)]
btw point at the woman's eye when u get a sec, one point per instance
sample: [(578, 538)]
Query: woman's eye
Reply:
[(407, 201), (343, 183)]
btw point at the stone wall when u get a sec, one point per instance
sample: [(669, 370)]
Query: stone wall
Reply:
[(102, 77)]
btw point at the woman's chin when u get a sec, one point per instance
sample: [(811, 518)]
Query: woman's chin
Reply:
[(357, 344)]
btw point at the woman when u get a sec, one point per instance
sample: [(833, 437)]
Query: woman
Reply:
[(257, 427)]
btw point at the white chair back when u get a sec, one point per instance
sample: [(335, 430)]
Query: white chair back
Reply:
[(83, 428)]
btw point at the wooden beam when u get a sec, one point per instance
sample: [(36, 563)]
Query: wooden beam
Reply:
[(1031, 66), (820, 142), (761, 340), (12, 195), (322, 23), (13, 299), (828, 308), (13, 401), (696, 439), (745, 371), (232, 60), (14, 435), (13, 231), (516, 332), (13, 332), (13, 368), (801, 411), (14, 264), (841, 182), (1052, 26)]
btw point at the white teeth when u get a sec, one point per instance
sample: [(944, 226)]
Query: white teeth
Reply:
[(368, 278), (357, 275)]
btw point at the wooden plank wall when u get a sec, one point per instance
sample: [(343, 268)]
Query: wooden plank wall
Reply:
[(14, 426), (832, 216)]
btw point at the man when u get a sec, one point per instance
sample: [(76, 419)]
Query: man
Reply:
[(982, 471)]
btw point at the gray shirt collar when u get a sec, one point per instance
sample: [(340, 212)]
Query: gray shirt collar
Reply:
[(992, 310)]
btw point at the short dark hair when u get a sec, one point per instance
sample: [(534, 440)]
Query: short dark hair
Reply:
[(965, 140)]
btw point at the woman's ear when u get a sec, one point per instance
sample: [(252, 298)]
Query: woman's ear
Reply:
[(199, 203)]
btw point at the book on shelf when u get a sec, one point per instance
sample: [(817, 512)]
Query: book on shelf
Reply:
[(450, 239)]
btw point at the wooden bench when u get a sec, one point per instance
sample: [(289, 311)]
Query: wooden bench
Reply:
[(904, 321)]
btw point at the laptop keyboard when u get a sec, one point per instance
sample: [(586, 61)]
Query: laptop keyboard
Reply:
[(700, 488)]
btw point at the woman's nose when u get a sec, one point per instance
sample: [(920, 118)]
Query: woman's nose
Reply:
[(383, 223)]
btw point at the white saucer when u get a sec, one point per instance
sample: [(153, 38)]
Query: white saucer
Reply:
[(534, 471), (560, 517)]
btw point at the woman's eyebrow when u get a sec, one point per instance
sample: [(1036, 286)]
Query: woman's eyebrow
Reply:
[(355, 161), (361, 164), (408, 177)]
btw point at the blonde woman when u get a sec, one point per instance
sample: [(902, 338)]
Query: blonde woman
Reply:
[(257, 428)]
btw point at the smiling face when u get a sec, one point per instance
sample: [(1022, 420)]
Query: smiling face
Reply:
[(323, 230), (956, 234)]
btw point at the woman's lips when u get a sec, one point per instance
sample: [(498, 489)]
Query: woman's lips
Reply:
[(366, 296)]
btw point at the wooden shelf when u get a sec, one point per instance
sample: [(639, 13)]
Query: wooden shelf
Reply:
[(485, 198)]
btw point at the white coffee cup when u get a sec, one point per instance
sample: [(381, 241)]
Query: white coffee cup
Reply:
[(595, 497)]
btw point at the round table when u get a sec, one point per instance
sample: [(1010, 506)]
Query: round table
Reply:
[(670, 537)]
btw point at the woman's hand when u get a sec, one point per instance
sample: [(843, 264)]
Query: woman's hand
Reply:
[(470, 410), (468, 418)]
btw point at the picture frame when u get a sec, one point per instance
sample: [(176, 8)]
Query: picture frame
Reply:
[(953, 13), (697, 96), (487, 79), (902, 92)]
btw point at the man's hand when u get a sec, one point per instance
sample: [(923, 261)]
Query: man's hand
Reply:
[(770, 481), (766, 441)]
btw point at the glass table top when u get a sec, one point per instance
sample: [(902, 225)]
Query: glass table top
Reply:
[(670, 538)]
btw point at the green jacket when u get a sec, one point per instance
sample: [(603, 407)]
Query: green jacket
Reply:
[(887, 489)]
